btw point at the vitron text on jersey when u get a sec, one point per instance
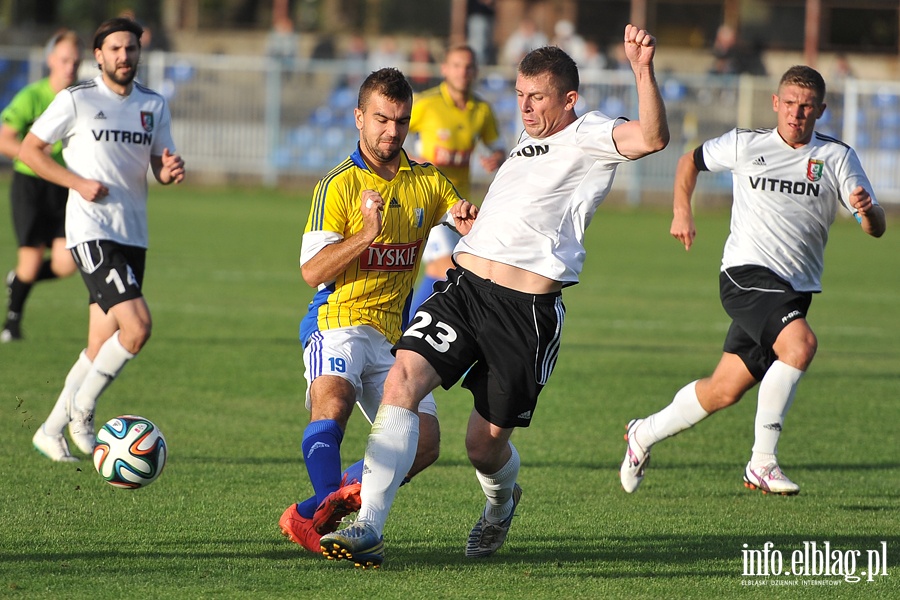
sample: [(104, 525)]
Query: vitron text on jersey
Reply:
[(126, 137), (798, 188), (531, 150)]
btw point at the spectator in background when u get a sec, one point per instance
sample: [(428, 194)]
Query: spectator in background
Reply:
[(282, 44), (146, 37), (591, 69), (356, 59), (324, 48), (523, 40), (594, 59), (38, 206), (480, 15), (569, 41), (420, 63), (732, 56), (724, 50), (387, 54), (617, 59), (842, 70)]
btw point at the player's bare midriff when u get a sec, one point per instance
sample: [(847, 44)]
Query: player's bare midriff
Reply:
[(508, 276)]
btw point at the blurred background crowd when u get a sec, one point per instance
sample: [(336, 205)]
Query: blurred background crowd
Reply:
[(265, 88)]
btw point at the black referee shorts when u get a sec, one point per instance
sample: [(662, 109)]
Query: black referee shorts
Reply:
[(505, 343), (38, 210)]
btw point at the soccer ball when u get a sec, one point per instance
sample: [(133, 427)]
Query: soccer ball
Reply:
[(130, 452)]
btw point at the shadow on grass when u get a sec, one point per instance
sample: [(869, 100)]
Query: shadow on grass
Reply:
[(604, 555)]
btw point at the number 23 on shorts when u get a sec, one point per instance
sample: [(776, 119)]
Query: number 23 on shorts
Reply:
[(441, 338)]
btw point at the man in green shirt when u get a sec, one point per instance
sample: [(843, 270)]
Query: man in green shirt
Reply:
[(38, 206)]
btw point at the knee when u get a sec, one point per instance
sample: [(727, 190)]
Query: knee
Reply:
[(716, 395), (428, 453), (135, 336), (801, 352), (429, 447), (485, 456)]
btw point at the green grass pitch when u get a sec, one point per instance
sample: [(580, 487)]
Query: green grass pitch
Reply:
[(222, 377)]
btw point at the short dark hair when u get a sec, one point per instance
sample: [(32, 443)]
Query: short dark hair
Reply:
[(460, 47), (805, 77), (114, 25), (555, 62), (389, 82)]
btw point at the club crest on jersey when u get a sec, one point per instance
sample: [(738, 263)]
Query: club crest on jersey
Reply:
[(147, 121), (814, 169), (420, 216), (390, 257)]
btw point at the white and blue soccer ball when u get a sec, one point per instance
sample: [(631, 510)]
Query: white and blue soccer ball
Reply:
[(130, 452)]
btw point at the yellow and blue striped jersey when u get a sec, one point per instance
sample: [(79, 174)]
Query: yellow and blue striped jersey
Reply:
[(376, 287), (448, 135)]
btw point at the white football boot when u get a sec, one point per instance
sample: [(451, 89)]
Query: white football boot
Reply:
[(769, 479), (53, 447), (81, 426), (631, 473)]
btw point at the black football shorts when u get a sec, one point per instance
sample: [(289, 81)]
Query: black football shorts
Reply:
[(505, 342), (761, 304), (112, 272)]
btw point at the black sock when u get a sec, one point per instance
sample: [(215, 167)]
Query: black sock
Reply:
[(46, 272), (18, 293)]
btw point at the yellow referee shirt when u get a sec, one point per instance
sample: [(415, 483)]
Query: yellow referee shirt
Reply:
[(376, 288), (448, 134)]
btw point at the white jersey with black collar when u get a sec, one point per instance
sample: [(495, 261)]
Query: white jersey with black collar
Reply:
[(543, 198), (108, 138), (785, 199)]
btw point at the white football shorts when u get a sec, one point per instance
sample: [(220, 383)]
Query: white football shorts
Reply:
[(362, 356)]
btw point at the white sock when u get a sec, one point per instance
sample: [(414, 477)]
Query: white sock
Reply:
[(776, 394), (498, 488), (684, 412), (59, 416), (108, 363), (390, 453)]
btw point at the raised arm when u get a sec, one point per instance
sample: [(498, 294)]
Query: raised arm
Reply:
[(650, 133)]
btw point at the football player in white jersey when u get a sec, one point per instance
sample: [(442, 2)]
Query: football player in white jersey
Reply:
[(113, 129), (789, 183), (497, 319)]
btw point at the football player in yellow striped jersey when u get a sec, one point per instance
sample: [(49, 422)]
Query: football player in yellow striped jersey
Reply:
[(369, 219), (450, 121)]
